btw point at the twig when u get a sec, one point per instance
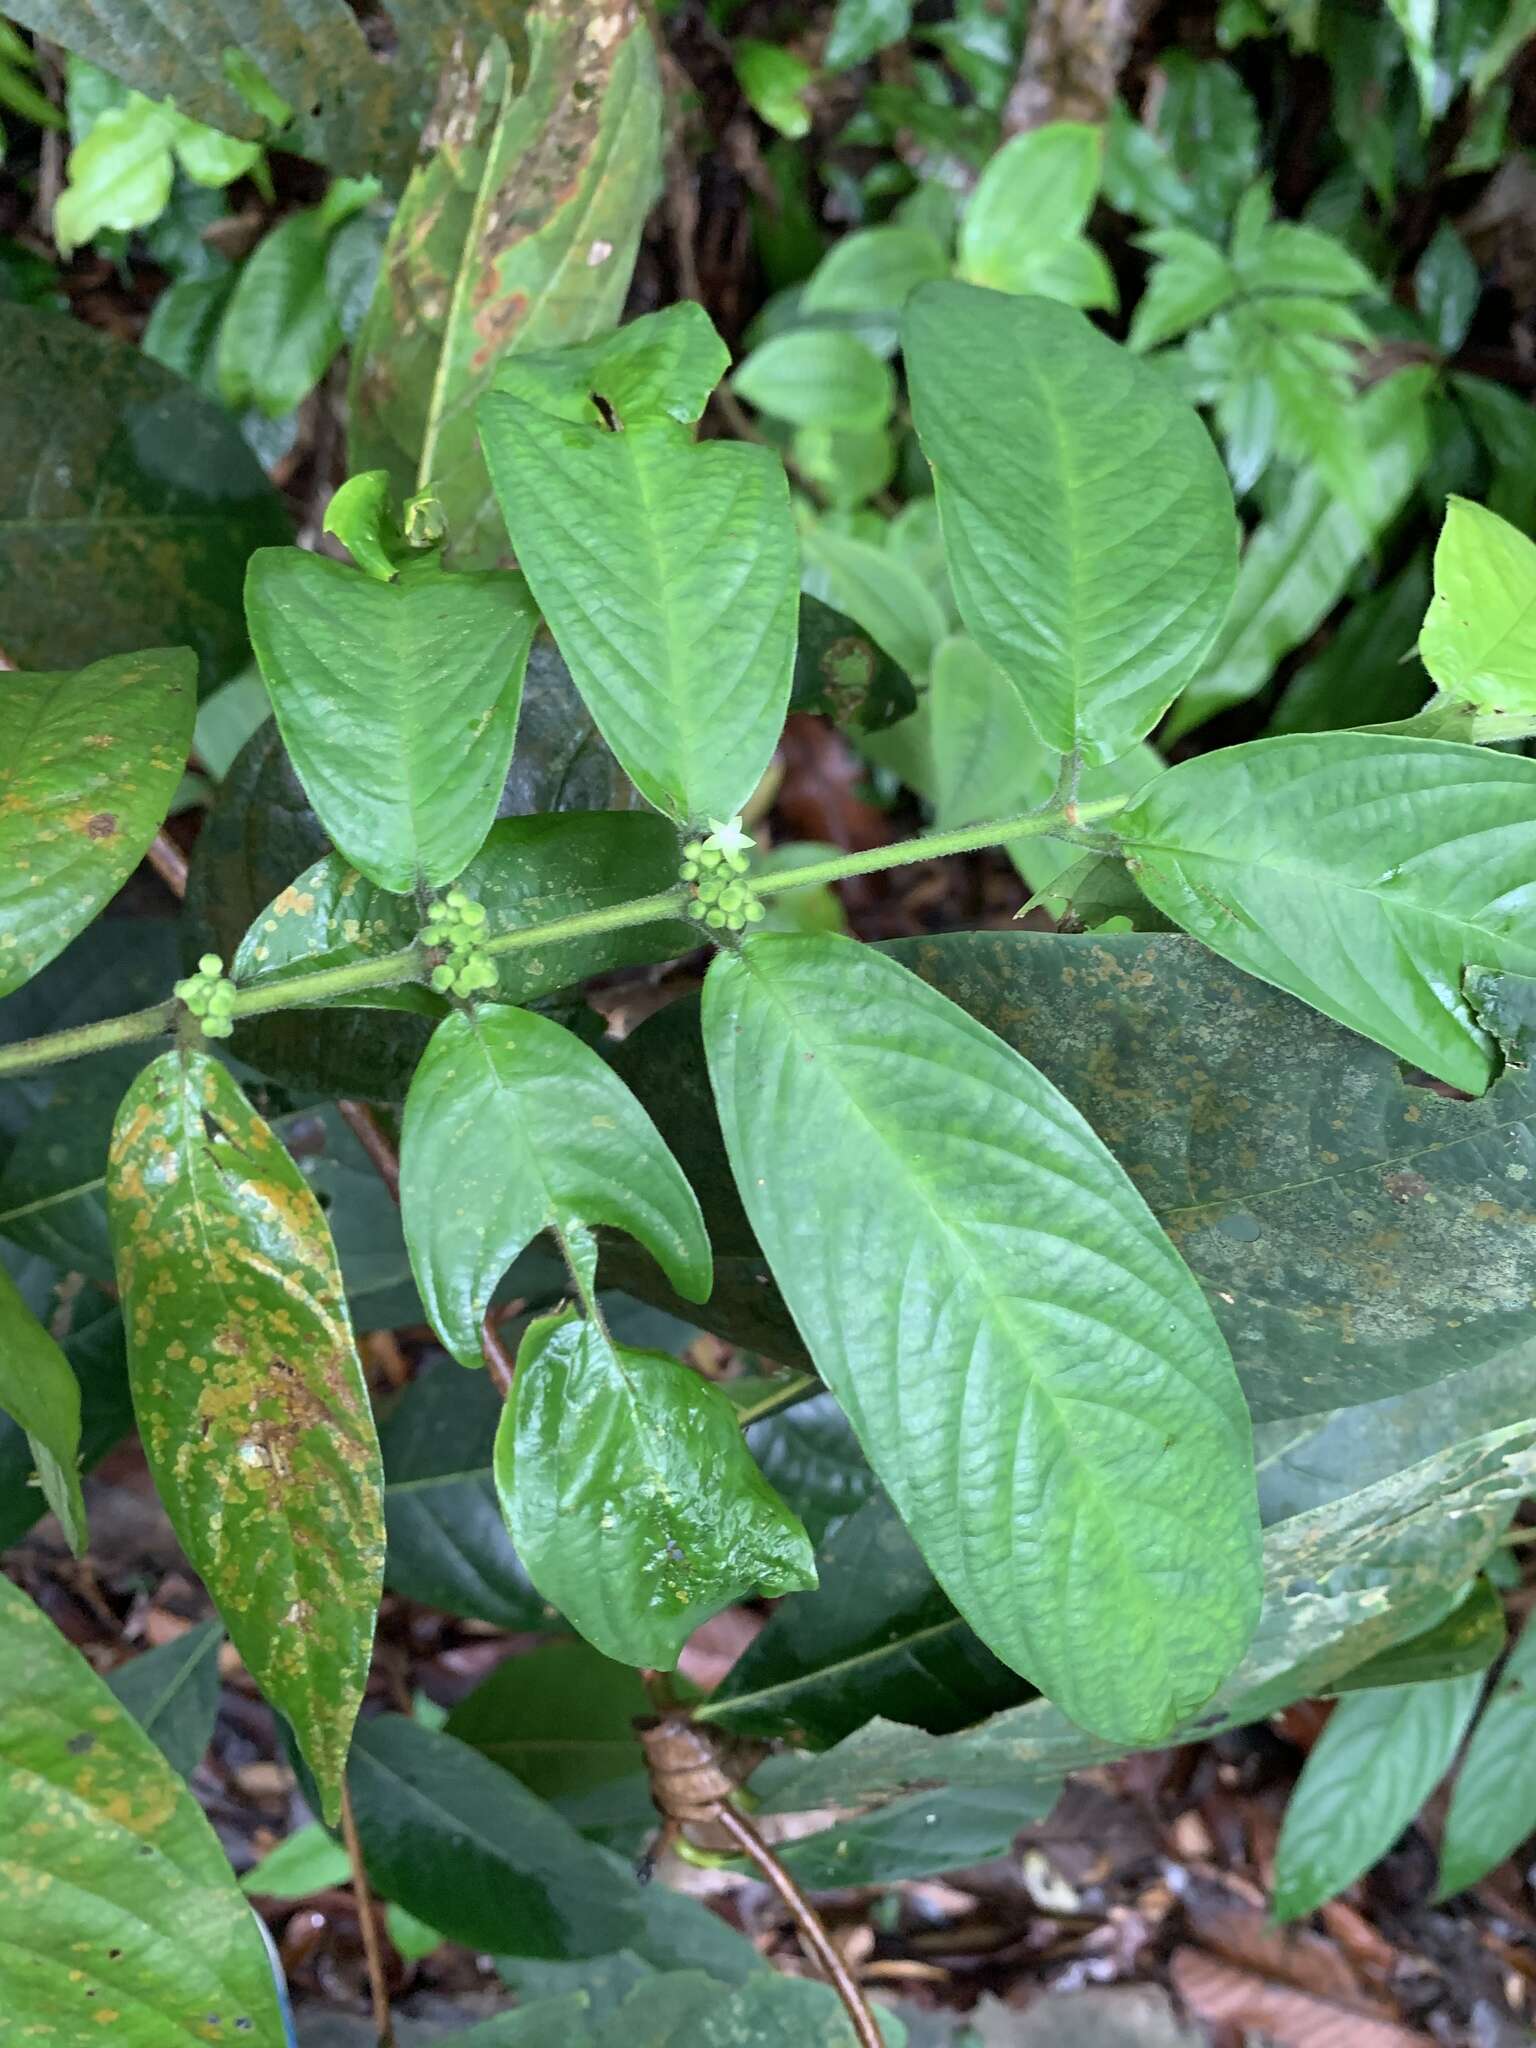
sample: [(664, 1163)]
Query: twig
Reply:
[(169, 863), (373, 1947)]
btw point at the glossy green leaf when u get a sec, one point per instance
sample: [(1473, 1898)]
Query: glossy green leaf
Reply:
[(818, 377), (944, 1161), (248, 1390), (1032, 199), (123, 1921), (92, 1344), (1362, 873), (173, 1694), (41, 1395), (808, 1453), (518, 233), (684, 645), (461, 1844), (630, 1496), (561, 1719), (513, 1126), (89, 763), (280, 333), (1087, 519), (111, 546), (1479, 637), (874, 270), (1493, 1801), (1298, 564), (1377, 1761), (397, 701)]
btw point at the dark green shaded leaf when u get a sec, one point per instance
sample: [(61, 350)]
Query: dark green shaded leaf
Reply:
[(89, 763), (629, 1494), (843, 672), (280, 334), (122, 1920), (1493, 1802), (173, 1694), (954, 1160), (130, 503), (1375, 1764), (250, 1398), (1366, 673), (1087, 519), (89, 1331), (1466, 1642), (561, 1719), (932, 1831), (810, 1455), (42, 1396), (518, 233)]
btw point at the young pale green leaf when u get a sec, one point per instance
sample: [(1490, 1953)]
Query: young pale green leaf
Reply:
[(1191, 280), (123, 1922), (1028, 1365), (38, 1391), (667, 568), (397, 701), (173, 1694), (1087, 518), (874, 270), (513, 1126), (1031, 200), (303, 1862), (1363, 873), (89, 763), (1377, 1761), (774, 80), (631, 1497), (818, 377), (1479, 637), (248, 1391), (1493, 1802)]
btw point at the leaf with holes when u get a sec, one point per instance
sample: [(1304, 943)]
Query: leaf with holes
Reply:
[(123, 1921), (397, 701), (667, 568), (1087, 518), (513, 1126), (248, 1391), (1364, 874), (88, 766), (1023, 1330), (630, 1496)]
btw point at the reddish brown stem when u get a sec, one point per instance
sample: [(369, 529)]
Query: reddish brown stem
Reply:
[(368, 1921), (169, 863)]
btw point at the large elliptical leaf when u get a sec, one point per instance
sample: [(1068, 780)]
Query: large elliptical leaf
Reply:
[(1029, 1367), (41, 1394), (248, 1390), (1087, 518), (397, 701), (89, 763), (513, 1126), (123, 1922), (633, 1502), (667, 568), (1363, 873)]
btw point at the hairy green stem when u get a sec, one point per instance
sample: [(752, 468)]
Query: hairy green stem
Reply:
[(325, 984)]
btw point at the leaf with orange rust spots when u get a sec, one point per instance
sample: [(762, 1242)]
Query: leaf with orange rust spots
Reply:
[(519, 233), (89, 763), (248, 1391), (122, 1917)]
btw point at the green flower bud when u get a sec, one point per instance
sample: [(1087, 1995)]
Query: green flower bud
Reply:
[(211, 966), (221, 997), (715, 919), (755, 910), (441, 979), (697, 910)]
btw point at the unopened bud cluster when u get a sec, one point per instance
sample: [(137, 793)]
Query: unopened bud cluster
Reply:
[(209, 996), (721, 899), (456, 926)]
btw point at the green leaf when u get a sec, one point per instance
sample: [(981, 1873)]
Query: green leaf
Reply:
[(1466, 1642), (248, 1391), (1191, 280), (941, 1152), (1375, 1764), (1298, 564), (874, 270), (818, 377), (688, 2010), (809, 1455), (304, 1862), (1087, 520), (1493, 1802), (862, 28), (774, 80), (518, 233), (397, 701), (93, 1346), (110, 547), (1366, 671), (1447, 287), (561, 1719), (1416, 19), (1362, 873), (173, 1694), (1284, 256), (89, 763), (280, 333), (503, 1086), (630, 1496), (123, 1920), (847, 468), (876, 588), (463, 1846), (1479, 637), (40, 1393), (1034, 197), (685, 657), (119, 176)]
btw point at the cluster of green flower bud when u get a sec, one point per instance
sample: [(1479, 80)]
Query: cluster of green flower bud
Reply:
[(209, 996), (715, 866), (456, 926)]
